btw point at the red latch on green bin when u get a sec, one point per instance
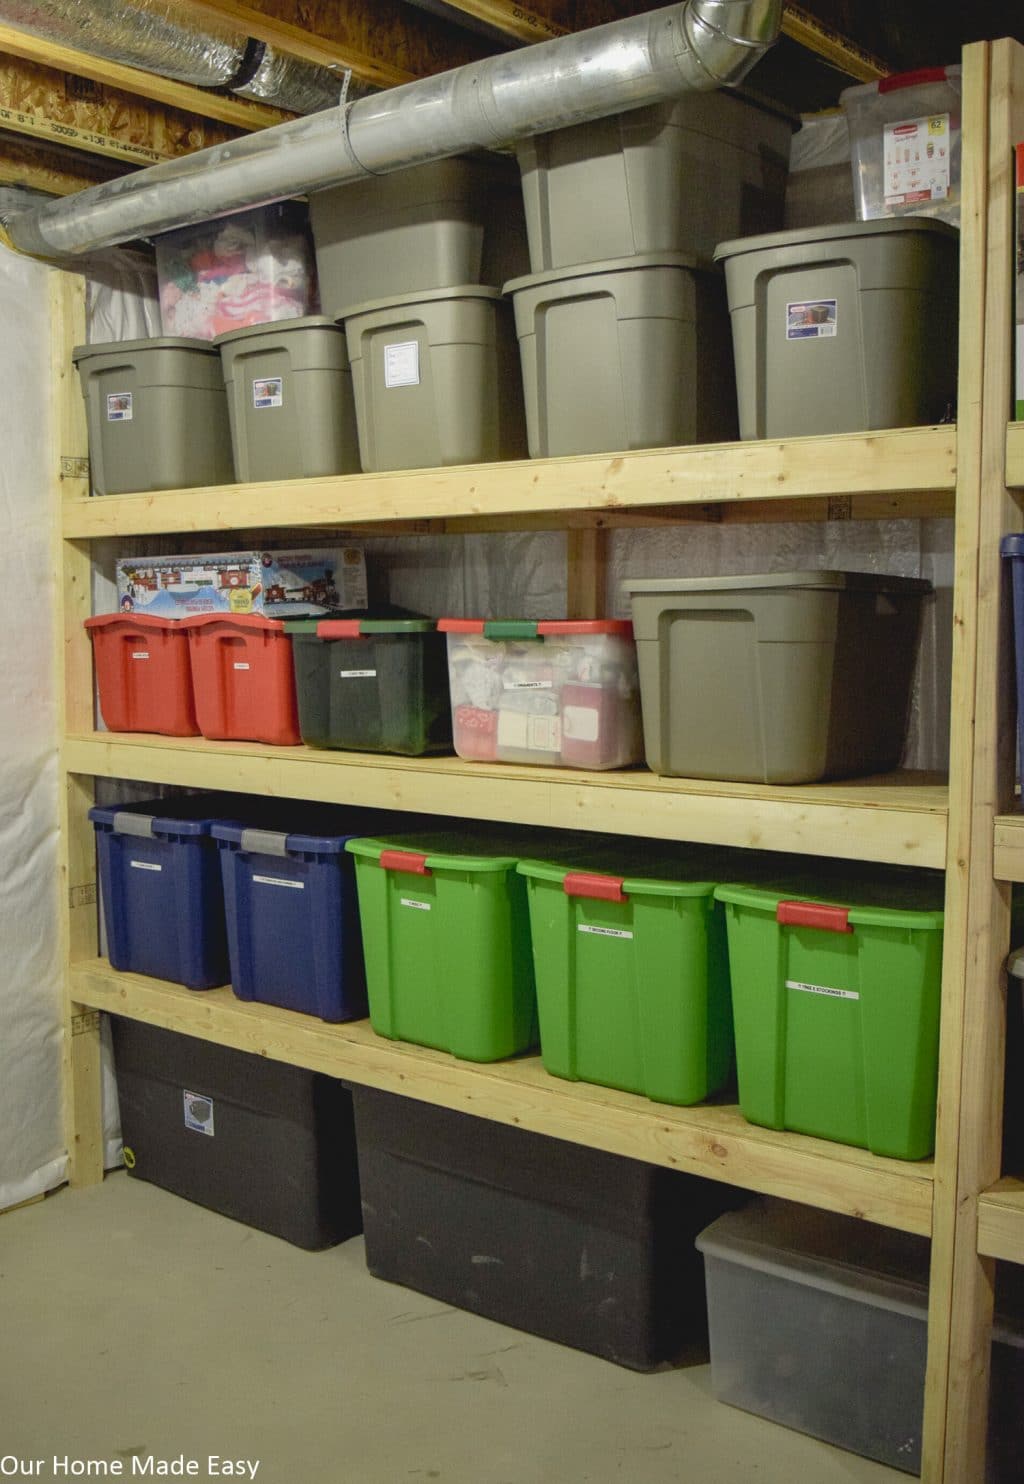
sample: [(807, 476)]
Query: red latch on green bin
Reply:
[(814, 915), (405, 860), (584, 884)]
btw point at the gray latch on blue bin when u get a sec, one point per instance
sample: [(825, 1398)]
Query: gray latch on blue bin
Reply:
[(134, 824), (264, 842)]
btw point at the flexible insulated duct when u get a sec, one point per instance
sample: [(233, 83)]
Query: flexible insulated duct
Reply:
[(626, 64), (152, 35)]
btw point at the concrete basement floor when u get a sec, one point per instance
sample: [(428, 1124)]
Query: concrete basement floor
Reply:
[(137, 1324)]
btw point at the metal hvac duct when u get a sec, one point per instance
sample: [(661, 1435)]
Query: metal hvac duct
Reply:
[(151, 34), (629, 63)]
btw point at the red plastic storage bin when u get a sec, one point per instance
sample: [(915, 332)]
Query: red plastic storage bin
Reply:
[(143, 674), (243, 677)]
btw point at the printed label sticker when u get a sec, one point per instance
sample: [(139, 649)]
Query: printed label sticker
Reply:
[(280, 881), (140, 654), (357, 674), (402, 364), (145, 866), (527, 684), (268, 391), (603, 932), (198, 1113), (833, 994), (241, 665), (411, 902), (916, 162), (581, 723), (811, 319), (119, 407)]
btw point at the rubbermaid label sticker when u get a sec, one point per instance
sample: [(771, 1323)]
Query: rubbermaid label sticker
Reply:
[(241, 665), (357, 674), (145, 866), (280, 881), (140, 654), (119, 407), (811, 319), (402, 364), (603, 932), (198, 1113), (411, 902), (916, 160), (581, 723), (833, 994), (268, 391)]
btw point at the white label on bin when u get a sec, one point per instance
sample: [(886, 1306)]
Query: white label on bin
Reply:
[(119, 407), (916, 160), (145, 866), (402, 364), (527, 684), (580, 723), (833, 994), (603, 932), (357, 674), (280, 881), (811, 319), (140, 654), (412, 902), (268, 391), (241, 665), (198, 1113)]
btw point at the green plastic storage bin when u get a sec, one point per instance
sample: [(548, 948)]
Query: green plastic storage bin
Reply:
[(629, 353), (844, 328), (446, 936), (436, 380), (372, 685), (632, 972), (156, 414), (290, 403), (835, 989)]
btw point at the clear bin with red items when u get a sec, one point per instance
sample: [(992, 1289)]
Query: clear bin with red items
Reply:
[(243, 678), (143, 674), (557, 692)]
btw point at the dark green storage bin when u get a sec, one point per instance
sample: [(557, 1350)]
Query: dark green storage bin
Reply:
[(372, 685)]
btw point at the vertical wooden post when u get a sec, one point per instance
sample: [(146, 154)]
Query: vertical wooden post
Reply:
[(83, 1114), (586, 559)]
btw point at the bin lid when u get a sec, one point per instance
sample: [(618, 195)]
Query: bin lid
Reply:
[(423, 296), (1012, 545), (256, 840), (277, 327), (467, 850), (131, 620), (837, 899), (831, 580), (193, 816), (610, 265), (897, 81), (525, 628), (833, 232), (131, 347), (354, 628), (614, 872), (250, 621)]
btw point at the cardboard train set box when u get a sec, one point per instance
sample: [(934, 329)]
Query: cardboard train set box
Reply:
[(280, 584)]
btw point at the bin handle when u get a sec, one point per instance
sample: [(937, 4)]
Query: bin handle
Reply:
[(263, 842), (134, 824), (405, 860), (814, 915), (586, 884)]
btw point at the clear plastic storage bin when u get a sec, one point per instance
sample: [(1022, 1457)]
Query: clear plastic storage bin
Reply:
[(905, 142)]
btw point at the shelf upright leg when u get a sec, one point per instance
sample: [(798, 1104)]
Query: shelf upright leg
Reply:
[(586, 556), (83, 1114)]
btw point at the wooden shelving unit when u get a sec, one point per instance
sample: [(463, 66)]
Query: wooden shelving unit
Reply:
[(950, 825)]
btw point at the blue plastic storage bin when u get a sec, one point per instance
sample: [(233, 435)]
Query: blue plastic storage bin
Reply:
[(293, 916), (1013, 548), (163, 905)]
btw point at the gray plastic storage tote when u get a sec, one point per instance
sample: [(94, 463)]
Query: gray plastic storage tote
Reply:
[(788, 677), (434, 226), (290, 403), (632, 353), (156, 413), (843, 329), (436, 380), (678, 177)]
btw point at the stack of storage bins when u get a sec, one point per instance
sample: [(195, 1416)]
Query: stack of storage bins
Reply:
[(413, 264), (622, 322)]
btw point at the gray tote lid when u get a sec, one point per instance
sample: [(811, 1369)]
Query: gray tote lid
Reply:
[(834, 232)]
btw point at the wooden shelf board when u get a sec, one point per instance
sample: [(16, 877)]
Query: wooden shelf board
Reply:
[(1008, 860), (1015, 454), (711, 1140), (899, 461), (895, 817), (1001, 1221)]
